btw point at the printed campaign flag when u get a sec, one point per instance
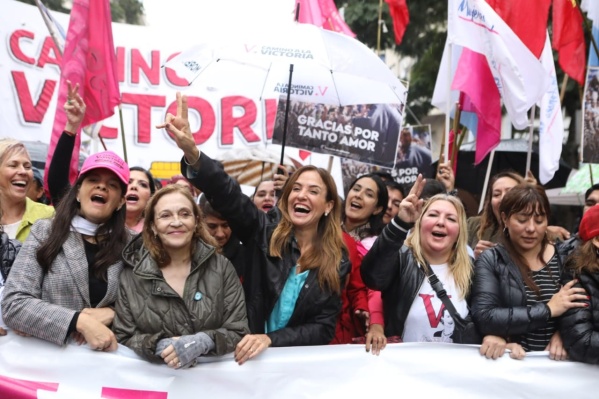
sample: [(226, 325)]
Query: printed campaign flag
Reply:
[(323, 13), (89, 60), (518, 74), (551, 134)]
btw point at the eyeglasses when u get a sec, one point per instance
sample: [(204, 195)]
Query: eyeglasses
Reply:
[(171, 217)]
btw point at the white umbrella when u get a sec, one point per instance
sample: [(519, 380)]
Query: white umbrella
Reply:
[(328, 67), (303, 61)]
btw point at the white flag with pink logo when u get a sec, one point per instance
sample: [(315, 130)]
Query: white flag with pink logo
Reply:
[(551, 132), (519, 75)]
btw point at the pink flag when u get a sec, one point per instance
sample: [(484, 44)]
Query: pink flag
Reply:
[(323, 13), (89, 60), (474, 78)]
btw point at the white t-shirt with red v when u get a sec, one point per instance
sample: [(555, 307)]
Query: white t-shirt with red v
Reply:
[(427, 320)]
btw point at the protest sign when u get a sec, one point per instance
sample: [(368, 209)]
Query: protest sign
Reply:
[(363, 132), (413, 157), (590, 136)]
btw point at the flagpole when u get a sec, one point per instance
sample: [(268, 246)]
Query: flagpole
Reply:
[(487, 177), (379, 27), (122, 134), (530, 137), (589, 28), (50, 27), (448, 106)]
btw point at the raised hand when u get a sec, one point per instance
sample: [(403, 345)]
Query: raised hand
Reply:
[(178, 127), (411, 206), (74, 108), (280, 177), (445, 174)]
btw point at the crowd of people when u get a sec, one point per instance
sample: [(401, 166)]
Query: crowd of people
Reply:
[(117, 259)]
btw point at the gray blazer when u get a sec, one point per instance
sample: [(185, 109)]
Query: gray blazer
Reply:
[(43, 305)]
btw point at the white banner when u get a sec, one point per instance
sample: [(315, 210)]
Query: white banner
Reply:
[(29, 77), (427, 370)]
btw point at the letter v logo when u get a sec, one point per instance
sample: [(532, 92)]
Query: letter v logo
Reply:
[(433, 318), (323, 90)]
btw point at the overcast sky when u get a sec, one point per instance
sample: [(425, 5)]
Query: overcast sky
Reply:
[(235, 15)]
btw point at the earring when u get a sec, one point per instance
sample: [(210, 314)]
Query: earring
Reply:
[(326, 214), (78, 200), (506, 232)]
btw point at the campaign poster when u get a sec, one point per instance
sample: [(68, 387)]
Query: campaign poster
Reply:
[(413, 157), (590, 136), (366, 133)]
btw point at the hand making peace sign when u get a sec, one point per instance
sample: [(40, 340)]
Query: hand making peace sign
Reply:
[(178, 127), (411, 206)]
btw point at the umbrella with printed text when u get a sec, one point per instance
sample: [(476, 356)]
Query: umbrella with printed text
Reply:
[(301, 61)]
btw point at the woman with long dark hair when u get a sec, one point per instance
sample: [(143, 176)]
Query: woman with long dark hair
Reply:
[(65, 279), (517, 295)]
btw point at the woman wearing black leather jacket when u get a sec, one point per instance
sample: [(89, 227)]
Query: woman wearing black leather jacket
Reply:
[(579, 326), (411, 307), (298, 246), (517, 295)]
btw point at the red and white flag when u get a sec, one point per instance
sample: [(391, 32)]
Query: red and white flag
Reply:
[(528, 20), (89, 60), (518, 74)]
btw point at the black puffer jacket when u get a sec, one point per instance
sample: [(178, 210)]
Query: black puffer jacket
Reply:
[(315, 314), (499, 302), (579, 327), (8, 250)]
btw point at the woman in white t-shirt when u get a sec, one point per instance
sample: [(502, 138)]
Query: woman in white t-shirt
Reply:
[(396, 263)]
